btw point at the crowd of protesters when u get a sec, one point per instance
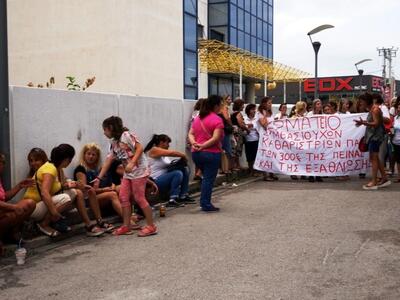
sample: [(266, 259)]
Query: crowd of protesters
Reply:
[(219, 132)]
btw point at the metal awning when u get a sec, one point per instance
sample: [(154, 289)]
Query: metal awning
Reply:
[(218, 57)]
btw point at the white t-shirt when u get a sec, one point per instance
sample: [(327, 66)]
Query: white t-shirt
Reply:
[(124, 150), (392, 111), (278, 116), (253, 135), (396, 127), (158, 166), (385, 111)]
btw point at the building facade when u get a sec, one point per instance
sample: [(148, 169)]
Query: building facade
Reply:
[(247, 25), (146, 48), (331, 88)]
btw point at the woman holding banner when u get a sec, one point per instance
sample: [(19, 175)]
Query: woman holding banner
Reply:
[(252, 136), (316, 108), (264, 116)]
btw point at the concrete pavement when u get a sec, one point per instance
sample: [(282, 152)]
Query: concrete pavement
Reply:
[(272, 240)]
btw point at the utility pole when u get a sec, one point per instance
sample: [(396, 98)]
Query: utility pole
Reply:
[(4, 105), (388, 54)]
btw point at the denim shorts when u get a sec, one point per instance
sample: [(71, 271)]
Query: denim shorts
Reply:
[(373, 146), (226, 144)]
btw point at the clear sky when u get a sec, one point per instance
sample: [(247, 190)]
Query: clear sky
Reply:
[(361, 26)]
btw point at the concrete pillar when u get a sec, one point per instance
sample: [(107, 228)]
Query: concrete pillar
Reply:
[(4, 105), (250, 92)]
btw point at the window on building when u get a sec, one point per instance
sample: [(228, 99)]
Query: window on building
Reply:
[(216, 35), (190, 34)]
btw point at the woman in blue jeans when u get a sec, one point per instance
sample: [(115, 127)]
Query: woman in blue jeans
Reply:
[(176, 181), (205, 136)]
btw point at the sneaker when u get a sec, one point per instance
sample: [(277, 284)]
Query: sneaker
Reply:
[(186, 199), (173, 203), (211, 209), (370, 187), (384, 184), (123, 230), (93, 230), (61, 225), (148, 230)]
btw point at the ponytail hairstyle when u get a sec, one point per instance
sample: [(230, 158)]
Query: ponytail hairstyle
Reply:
[(60, 153), (116, 126), (208, 105), (156, 140), (198, 104)]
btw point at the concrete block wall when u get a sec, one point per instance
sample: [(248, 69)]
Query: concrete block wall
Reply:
[(47, 117)]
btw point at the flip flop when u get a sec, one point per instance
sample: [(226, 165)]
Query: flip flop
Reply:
[(51, 234)]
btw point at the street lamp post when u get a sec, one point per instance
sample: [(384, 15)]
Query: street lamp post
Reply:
[(361, 72), (316, 45)]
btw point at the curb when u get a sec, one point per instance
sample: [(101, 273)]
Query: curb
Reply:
[(222, 185)]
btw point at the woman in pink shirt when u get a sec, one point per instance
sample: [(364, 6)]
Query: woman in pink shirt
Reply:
[(205, 136)]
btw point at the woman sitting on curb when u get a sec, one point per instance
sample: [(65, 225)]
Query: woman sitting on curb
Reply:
[(12, 215), (174, 181), (88, 170), (53, 195)]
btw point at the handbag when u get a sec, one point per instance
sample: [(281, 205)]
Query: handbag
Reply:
[(177, 164), (362, 146)]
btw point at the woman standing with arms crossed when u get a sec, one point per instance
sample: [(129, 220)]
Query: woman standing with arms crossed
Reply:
[(205, 136)]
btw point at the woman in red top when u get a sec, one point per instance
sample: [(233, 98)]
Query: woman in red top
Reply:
[(205, 136)]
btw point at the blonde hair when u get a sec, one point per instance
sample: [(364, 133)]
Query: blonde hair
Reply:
[(301, 106), (91, 146)]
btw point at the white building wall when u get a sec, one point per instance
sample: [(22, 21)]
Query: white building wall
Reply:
[(47, 117), (131, 46)]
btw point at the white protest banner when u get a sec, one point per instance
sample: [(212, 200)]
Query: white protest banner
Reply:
[(320, 145)]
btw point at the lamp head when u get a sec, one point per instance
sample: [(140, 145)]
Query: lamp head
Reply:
[(320, 28), (316, 46)]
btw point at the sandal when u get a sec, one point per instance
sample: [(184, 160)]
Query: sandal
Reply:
[(93, 230), (384, 183), (105, 226), (51, 234), (268, 178), (274, 177), (370, 187), (123, 230), (148, 230)]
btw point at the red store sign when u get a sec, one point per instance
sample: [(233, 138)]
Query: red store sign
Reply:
[(334, 84)]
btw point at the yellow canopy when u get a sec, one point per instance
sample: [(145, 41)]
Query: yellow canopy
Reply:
[(218, 57)]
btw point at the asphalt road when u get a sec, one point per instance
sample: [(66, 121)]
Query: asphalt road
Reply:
[(271, 240)]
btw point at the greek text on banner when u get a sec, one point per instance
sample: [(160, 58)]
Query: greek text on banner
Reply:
[(320, 145)]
